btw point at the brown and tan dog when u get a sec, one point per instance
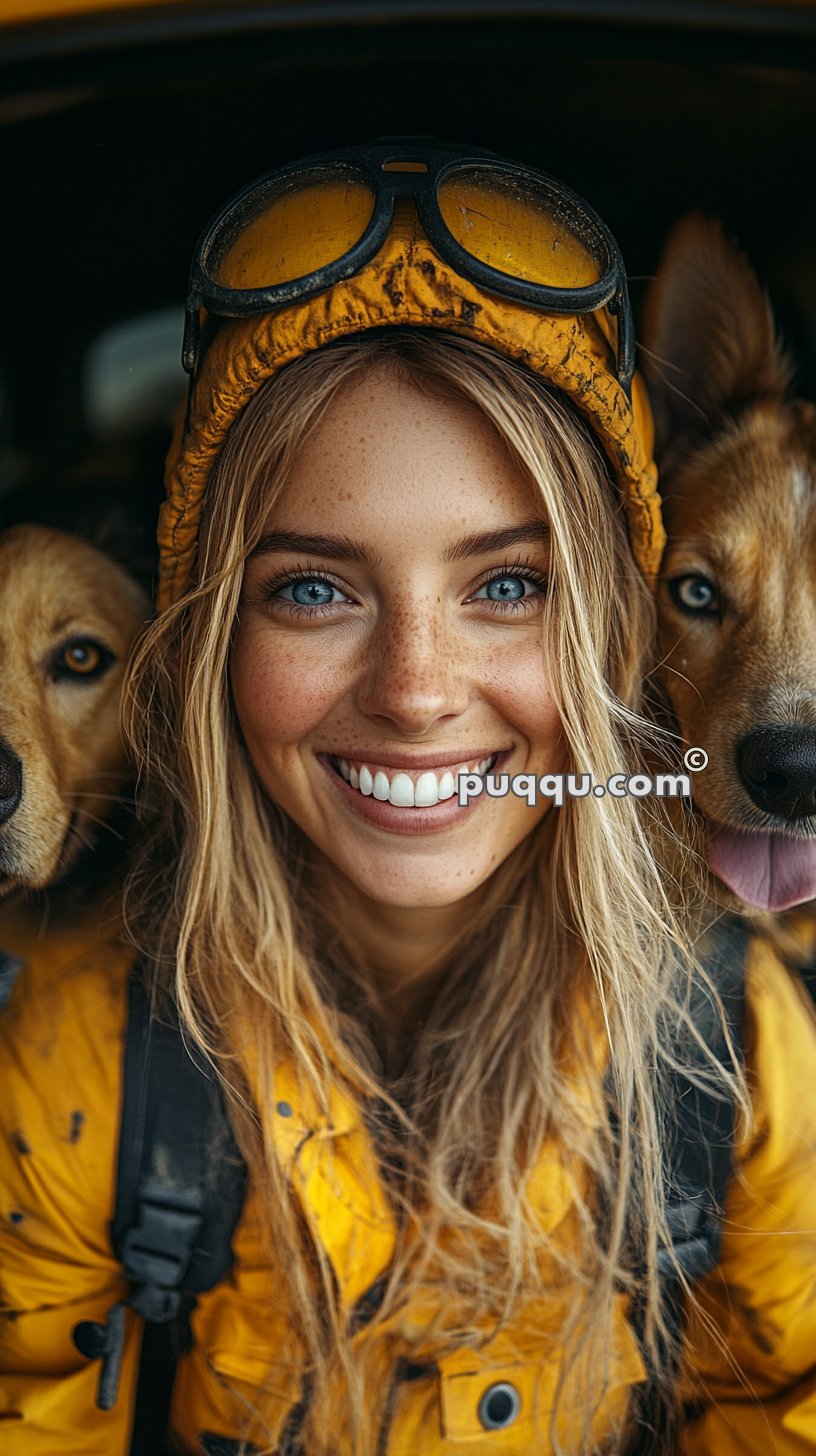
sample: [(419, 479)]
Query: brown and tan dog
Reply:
[(68, 618), (737, 593)]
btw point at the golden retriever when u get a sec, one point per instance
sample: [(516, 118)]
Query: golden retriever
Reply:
[(68, 618)]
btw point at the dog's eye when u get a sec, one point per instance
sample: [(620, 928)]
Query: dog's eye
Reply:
[(82, 657), (694, 594)]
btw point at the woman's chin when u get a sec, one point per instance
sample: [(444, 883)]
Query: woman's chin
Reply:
[(411, 886)]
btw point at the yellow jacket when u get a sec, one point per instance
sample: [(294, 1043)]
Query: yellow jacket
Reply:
[(750, 1364)]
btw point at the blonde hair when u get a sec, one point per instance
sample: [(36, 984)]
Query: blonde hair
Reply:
[(580, 916)]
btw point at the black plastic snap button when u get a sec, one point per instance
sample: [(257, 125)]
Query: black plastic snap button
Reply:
[(91, 1339), (499, 1406)]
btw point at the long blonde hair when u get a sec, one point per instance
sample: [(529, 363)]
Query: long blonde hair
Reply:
[(580, 918)]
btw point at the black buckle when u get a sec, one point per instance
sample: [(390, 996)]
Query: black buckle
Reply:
[(156, 1253), (155, 1256), (695, 1240)]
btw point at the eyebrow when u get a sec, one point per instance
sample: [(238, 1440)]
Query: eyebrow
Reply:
[(479, 544), (345, 548)]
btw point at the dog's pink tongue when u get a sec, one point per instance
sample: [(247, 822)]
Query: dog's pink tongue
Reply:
[(768, 871)]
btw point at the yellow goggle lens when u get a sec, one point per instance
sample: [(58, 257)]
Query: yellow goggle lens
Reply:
[(515, 229), (295, 232)]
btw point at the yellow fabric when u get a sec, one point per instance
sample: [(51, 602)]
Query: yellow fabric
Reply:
[(60, 1050), (406, 283), (750, 1363)]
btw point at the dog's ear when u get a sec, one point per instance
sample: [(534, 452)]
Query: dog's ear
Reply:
[(709, 341)]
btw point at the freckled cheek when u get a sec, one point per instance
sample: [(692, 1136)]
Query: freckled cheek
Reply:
[(281, 691), (519, 687)]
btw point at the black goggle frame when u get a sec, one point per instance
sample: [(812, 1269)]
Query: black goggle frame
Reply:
[(439, 162)]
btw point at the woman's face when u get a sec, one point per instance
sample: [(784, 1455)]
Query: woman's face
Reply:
[(390, 632)]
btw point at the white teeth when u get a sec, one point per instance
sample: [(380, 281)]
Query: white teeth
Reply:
[(401, 792), (400, 789), (447, 785), (427, 790), (366, 781)]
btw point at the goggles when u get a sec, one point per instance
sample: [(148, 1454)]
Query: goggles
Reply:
[(510, 230)]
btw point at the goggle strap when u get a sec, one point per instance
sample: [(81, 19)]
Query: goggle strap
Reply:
[(620, 306)]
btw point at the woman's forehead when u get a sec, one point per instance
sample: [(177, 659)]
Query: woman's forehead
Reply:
[(388, 451)]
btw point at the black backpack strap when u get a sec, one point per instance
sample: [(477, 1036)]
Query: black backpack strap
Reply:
[(701, 1125), (180, 1185), (700, 1134)]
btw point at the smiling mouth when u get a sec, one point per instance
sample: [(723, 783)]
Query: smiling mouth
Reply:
[(418, 789)]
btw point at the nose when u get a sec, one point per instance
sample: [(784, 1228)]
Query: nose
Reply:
[(11, 782), (778, 768), (417, 672)]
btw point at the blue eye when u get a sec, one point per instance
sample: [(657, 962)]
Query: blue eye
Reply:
[(311, 592), (695, 594), (505, 589), (303, 593), (511, 589)]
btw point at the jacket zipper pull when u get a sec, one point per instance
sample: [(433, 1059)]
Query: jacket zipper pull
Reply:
[(106, 1343)]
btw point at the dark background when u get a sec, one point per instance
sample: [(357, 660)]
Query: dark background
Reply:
[(121, 133)]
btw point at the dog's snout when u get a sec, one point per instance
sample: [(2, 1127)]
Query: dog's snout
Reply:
[(778, 768), (11, 782)]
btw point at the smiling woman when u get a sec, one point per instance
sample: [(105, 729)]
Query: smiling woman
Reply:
[(410, 531), (415, 657), (405, 538)]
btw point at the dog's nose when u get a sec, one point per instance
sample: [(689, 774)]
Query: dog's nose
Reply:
[(11, 782), (778, 768)]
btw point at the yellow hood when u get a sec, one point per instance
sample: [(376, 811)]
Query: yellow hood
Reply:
[(407, 283)]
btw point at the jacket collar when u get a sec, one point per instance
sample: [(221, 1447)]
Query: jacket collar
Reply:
[(331, 1160)]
